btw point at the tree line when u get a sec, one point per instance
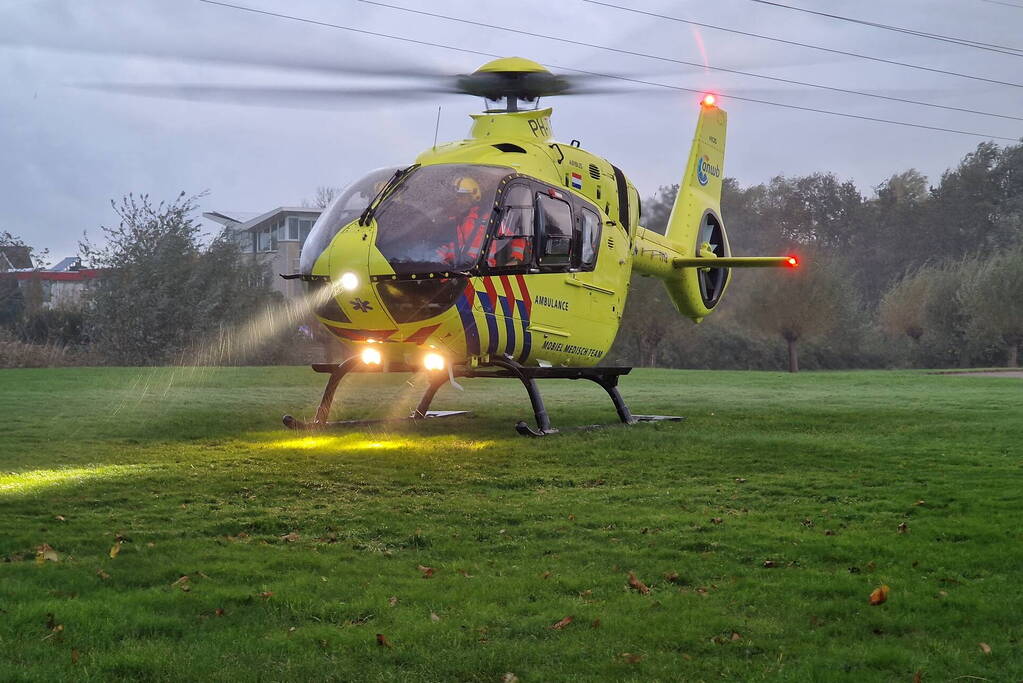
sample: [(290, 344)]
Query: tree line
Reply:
[(913, 275)]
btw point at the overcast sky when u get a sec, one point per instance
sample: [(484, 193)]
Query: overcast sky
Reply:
[(67, 151)]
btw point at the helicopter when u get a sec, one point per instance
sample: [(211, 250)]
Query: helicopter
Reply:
[(509, 254)]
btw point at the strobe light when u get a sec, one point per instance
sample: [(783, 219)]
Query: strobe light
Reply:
[(371, 356), (433, 361)]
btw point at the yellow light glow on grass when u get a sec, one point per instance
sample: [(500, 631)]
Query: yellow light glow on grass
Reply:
[(24, 482), (337, 443)]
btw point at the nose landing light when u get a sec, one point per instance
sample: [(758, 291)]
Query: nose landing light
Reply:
[(433, 361), (349, 281)]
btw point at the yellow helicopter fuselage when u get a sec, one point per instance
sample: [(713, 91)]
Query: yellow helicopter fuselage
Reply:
[(567, 315)]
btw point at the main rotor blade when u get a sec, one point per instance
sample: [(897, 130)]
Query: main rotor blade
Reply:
[(285, 97), (221, 54)]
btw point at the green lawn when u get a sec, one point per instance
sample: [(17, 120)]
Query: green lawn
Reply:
[(761, 525)]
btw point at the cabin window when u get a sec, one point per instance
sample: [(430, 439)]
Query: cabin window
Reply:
[(590, 239), (345, 208), (437, 219), (554, 223), (512, 243)]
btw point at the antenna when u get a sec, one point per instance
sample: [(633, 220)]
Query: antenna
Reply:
[(436, 129)]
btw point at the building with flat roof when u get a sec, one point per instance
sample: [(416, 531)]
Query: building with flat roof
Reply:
[(276, 237), (61, 286)]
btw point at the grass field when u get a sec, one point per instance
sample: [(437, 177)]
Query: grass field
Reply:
[(760, 526)]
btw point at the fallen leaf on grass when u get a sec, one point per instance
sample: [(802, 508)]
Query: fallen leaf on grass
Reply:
[(632, 658), (427, 571), (769, 564), (266, 595), (290, 537), (985, 648), (434, 616), (393, 600), (45, 553), (918, 677), (545, 575), (736, 636), (903, 528), (636, 584), (382, 640), (879, 595), (740, 480), (807, 522), (509, 677), (571, 518), (586, 594), (919, 502), (595, 623), (102, 574), (563, 623), (942, 594), (672, 577), (182, 583), (716, 520), (465, 573), (219, 612), (60, 518), (115, 550), (829, 532)]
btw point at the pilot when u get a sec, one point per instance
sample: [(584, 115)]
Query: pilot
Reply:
[(471, 226)]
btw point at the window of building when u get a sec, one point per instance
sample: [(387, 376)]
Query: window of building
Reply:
[(305, 226), (292, 227)]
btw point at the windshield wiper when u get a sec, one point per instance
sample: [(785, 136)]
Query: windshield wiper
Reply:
[(367, 213)]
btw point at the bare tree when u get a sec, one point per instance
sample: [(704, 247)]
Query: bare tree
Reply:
[(794, 305), (903, 309), (325, 194)]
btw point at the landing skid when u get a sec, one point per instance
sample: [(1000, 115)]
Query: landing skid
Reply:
[(606, 377)]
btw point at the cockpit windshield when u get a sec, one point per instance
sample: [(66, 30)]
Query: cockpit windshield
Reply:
[(345, 208), (436, 219)]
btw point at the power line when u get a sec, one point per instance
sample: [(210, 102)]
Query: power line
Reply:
[(990, 47), (750, 74), (1001, 2), (811, 46), (415, 41)]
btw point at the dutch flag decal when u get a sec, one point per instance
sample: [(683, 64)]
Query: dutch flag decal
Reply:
[(577, 181)]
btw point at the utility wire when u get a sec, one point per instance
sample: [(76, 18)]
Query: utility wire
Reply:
[(1006, 4), (776, 79), (990, 47), (822, 48), (454, 48)]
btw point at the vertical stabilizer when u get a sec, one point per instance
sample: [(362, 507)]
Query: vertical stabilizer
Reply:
[(700, 187)]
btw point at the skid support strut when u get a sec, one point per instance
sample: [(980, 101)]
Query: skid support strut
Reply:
[(498, 367), (337, 372)]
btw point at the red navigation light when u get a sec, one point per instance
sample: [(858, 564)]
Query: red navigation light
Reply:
[(792, 262), (709, 100)]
